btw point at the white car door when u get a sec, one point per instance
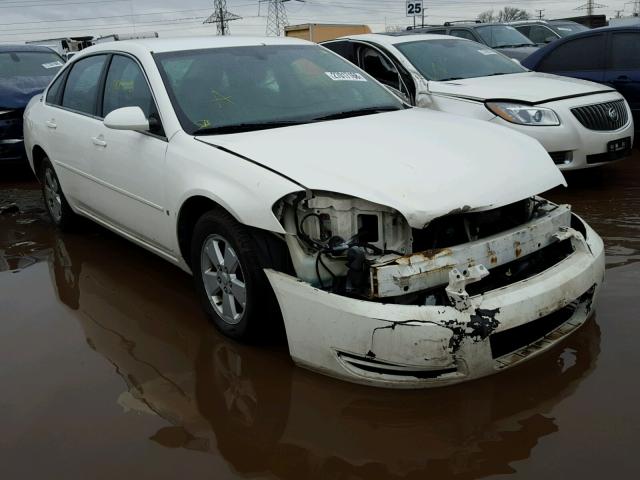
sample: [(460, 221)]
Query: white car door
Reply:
[(129, 165), (69, 118)]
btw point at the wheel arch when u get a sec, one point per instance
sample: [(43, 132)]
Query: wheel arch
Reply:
[(196, 205), (38, 155)]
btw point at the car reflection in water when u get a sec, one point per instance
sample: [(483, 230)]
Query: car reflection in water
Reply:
[(264, 415)]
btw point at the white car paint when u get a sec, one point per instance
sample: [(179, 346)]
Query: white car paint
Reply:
[(467, 97), (415, 164)]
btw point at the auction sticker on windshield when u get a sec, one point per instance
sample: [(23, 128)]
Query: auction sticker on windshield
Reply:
[(346, 76), (52, 65)]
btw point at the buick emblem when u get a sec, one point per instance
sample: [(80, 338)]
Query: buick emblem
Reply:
[(613, 114)]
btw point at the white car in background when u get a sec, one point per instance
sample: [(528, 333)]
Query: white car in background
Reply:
[(581, 124), (400, 255)]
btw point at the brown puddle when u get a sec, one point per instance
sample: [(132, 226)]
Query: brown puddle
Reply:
[(110, 370)]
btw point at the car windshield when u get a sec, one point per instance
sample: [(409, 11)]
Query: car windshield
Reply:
[(498, 36), (566, 29), (29, 64), (442, 60), (233, 89)]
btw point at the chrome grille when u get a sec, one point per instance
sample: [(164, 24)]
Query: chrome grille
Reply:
[(602, 116)]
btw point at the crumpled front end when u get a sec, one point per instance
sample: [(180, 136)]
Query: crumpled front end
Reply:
[(443, 315)]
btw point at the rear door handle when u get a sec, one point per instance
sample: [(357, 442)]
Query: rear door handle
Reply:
[(51, 124), (99, 141)]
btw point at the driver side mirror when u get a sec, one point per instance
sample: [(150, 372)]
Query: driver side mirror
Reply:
[(549, 39), (127, 118)]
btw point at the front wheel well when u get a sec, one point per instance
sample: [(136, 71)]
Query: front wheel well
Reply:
[(271, 250)]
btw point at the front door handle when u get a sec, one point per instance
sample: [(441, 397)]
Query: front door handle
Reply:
[(51, 124), (99, 141)]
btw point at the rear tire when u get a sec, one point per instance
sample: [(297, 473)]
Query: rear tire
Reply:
[(229, 277), (55, 202)]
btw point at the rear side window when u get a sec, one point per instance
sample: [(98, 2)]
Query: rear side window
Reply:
[(81, 90), (460, 33), (54, 93), (625, 51), (581, 54)]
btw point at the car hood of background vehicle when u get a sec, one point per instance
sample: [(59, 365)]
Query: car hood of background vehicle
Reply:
[(425, 164), (519, 53), (531, 87), (15, 92)]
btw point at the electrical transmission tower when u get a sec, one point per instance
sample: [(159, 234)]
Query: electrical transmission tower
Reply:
[(276, 16), (590, 6), (540, 13), (221, 17)]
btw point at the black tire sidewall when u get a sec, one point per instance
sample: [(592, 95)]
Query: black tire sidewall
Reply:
[(67, 217), (219, 222)]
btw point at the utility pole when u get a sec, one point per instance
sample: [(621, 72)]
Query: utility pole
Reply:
[(590, 6), (221, 17), (540, 15)]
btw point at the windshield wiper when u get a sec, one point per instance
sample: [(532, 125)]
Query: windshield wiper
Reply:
[(517, 45), (244, 127), (355, 113), (450, 79)]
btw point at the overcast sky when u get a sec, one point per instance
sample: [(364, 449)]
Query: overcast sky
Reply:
[(22, 20)]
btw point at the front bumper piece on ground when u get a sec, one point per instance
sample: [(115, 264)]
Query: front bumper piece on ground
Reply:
[(413, 346)]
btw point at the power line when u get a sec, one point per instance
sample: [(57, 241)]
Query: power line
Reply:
[(221, 17), (67, 3)]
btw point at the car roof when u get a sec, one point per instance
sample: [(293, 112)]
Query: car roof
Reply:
[(160, 45), (24, 48), (385, 39)]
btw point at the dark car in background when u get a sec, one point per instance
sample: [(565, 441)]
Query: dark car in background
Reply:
[(542, 32), (25, 71), (499, 36), (609, 55)]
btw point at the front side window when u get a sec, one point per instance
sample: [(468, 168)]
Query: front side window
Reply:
[(29, 64), (502, 36), (81, 90), (540, 34), (625, 51), (379, 67), (126, 86), (585, 53), (443, 60), (246, 88)]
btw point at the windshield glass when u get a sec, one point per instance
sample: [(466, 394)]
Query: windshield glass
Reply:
[(497, 36), (29, 64), (442, 60), (252, 87), (565, 29)]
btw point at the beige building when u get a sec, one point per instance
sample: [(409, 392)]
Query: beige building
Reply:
[(319, 32)]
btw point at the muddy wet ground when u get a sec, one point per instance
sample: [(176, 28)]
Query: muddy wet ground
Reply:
[(109, 370)]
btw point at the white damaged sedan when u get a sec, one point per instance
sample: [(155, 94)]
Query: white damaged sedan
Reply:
[(401, 247)]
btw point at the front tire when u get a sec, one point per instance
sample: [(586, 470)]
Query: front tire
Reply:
[(229, 277), (54, 199)]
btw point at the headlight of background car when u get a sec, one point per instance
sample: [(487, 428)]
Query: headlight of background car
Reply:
[(524, 114)]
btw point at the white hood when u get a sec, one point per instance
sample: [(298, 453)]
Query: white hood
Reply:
[(424, 164), (533, 87)]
